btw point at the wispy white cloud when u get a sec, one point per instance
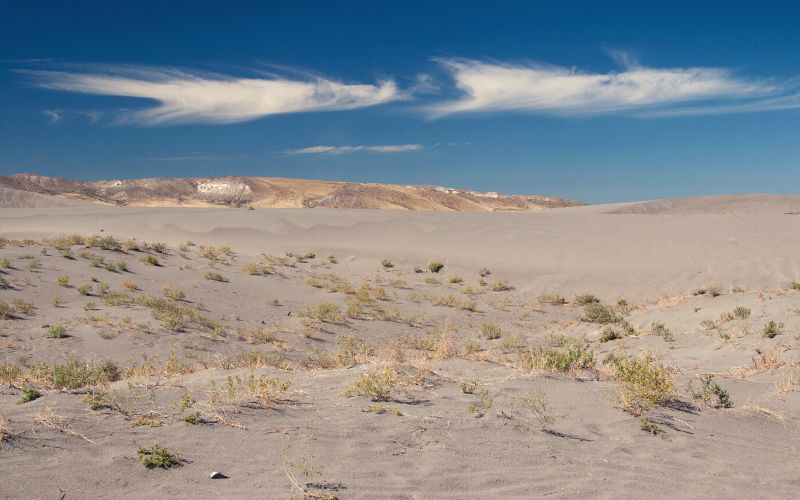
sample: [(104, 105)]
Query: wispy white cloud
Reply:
[(53, 115), (193, 97), (338, 150), (638, 90)]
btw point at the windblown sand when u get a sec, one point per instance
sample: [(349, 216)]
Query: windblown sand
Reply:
[(465, 415)]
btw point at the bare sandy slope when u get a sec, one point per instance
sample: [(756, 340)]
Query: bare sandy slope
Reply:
[(14, 198), (276, 192), (479, 399)]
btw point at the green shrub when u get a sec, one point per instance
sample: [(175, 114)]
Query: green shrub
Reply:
[(151, 260), (57, 332), (29, 394), (658, 328), (641, 383), (570, 355), (711, 390), (216, 277), (596, 312), (435, 267), (585, 299), (157, 455), (377, 384), (772, 329), (193, 418)]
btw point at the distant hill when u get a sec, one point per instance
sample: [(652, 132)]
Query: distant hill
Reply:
[(270, 192)]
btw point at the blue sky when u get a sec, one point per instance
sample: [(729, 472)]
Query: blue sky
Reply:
[(617, 102)]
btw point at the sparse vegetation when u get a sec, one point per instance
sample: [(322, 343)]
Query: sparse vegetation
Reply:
[(151, 260), (741, 312), (216, 277), (710, 393), (772, 329), (28, 394), (553, 299), (387, 264), (63, 281), (595, 312), (156, 455), (435, 267), (641, 382), (567, 354), (658, 328), (56, 332), (491, 331), (376, 384)]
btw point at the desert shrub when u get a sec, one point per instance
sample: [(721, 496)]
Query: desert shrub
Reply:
[(641, 383), (193, 418), (21, 306), (795, 285), (658, 328), (258, 268), (649, 427), (435, 267), (741, 312), (468, 386), (156, 455), (174, 294), (710, 390), (63, 281), (501, 286), (328, 313), (608, 334), (709, 324), (353, 350), (386, 263), (552, 298), (151, 260), (772, 329), (6, 312), (433, 281), (28, 394), (484, 404), (130, 285), (57, 300), (585, 299), (5, 263), (216, 277), (596, 312), (484, 272), (538, 407), (738, 289), (85, 289), (4, 284), (570, 355), (377, 384), (33, 265), (78, 373), (455, 279), (56, 332), (490, 331)]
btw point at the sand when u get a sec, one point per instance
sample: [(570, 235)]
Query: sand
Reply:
[(449, 441)]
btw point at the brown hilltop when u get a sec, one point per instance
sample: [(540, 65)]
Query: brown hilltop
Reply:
[(268, 192)]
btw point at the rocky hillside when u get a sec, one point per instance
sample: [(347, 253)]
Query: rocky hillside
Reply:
[(275, 192)]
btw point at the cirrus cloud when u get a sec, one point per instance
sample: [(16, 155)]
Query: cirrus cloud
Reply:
[(338, 150), (639, 90), (192, 97)]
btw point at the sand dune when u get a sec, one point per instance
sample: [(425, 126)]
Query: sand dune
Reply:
[(15, 198), (403, 382), (739, 204)]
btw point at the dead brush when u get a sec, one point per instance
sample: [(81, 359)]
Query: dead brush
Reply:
[(537, 406), (48, 418)]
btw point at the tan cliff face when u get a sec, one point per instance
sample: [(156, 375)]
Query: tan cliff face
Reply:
[(274, 192)]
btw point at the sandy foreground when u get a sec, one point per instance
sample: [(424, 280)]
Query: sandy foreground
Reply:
[(315, 353)]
